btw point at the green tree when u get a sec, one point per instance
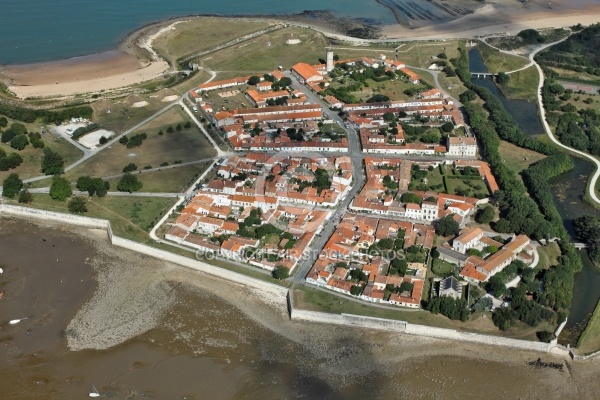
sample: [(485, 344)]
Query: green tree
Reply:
[(170, 129), (448, 127), (405, 287), (77, 205), (187, 125), (52, 162), (25, 196), (485, 215), (410, 197), (502, 78), (11, 186), (254, 80), (178, 127), (60, 188), (504, 318), (19, 142), (129, 183), (130, 167), (3, 122), (356, 290), (280, 272), (447, 226)]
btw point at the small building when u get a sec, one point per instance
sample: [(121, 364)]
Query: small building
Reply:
[(450, 287), (306, 73), (462, 146)]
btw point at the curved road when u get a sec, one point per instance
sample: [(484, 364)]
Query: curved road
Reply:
[(594, 178)]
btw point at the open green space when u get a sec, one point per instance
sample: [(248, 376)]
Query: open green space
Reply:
[(32, 157), (171, 180), (518, 158), (130, 217), (549, 255), (118, 114), (522, 85), (442, 268), (422, 54), (189, 144), (466, 187), (589, 341), (265, 53), (496, 61), (203, 33)]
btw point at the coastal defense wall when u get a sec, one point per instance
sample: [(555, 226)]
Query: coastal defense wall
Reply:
[(53, 216), (442, 333), (277, 291), (349, 320)]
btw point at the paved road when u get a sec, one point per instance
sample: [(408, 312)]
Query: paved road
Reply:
[(594, 178), (358, 174), (145, 171), (220, 152), (116, 194)]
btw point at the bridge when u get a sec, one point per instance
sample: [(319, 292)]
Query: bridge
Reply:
[(580, 246), (482, 75)]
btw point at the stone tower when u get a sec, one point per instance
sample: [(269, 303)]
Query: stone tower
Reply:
[(329, 59)]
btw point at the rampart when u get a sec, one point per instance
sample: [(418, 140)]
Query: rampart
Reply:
[(280, 292)]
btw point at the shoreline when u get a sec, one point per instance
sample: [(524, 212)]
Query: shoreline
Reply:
[(275, 295), (135, 61)]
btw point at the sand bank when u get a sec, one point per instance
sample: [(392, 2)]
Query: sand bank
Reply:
[(137, 61)]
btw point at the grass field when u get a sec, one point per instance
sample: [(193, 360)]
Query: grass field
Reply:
[(202, 33), (309, 298), (517, 158), (32, 157), (496, 61), (421, 54), (118, 115), (442, 268), (265, 53), (548, 255), (172, 180), (589, 341), (130, 217), (522, 85), (186, 145), (478, 186)]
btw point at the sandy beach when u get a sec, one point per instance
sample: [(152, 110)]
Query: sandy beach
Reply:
[(136, 61)]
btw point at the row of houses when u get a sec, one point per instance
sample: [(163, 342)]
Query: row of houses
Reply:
[(347, 251)]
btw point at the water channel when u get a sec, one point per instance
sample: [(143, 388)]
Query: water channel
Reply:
[(568, 190)]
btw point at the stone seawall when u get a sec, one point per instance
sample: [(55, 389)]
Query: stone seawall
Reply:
[(275, 290), (278, 292), (349, 320)]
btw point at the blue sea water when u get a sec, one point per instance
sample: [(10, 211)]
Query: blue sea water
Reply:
[(44, 30)]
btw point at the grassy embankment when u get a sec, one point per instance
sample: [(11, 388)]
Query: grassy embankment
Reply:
[(203, 33), (313, 299), (518, 158), (589, 341), (522, 84)]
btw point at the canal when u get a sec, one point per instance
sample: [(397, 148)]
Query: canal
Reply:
[(568, 190)]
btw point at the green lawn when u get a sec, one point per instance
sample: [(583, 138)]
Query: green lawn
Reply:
[(185, 145), (496, 61), (470, 187), (589, 341), (522, 85), (442, 268), (517, 158)]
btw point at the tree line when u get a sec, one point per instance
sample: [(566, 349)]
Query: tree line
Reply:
[(518, 211)]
